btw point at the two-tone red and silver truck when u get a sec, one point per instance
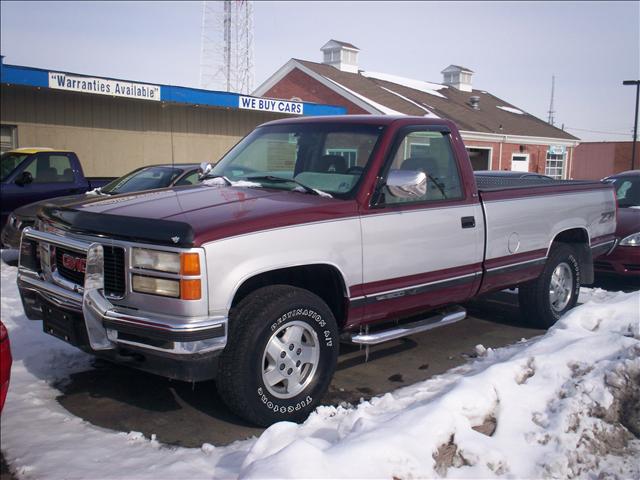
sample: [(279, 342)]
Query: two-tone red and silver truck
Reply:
[(308, 233)]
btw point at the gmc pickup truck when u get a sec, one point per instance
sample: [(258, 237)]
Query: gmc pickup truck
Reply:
[(34, 174), (308, 233)]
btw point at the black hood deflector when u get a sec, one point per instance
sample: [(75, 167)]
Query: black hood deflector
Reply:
[(134, 229)]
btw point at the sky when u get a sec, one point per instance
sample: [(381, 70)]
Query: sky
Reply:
[(514, 48)]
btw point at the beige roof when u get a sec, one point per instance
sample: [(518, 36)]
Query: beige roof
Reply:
[(408, 97)]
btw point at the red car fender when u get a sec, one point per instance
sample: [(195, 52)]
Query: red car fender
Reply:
[(5, 363)]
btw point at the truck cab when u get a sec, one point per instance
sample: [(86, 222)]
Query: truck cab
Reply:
[(34, 174)]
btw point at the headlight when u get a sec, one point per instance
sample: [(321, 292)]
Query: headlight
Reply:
[(156, 286), (155, 260), (184, 266), (632, 240)]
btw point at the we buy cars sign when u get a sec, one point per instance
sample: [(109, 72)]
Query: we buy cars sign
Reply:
[(269, 105)]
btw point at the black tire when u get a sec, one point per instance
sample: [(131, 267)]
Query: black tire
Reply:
[(261, 318), (538, 305)]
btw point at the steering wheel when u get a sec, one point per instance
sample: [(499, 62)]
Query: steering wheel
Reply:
[(355, 170)]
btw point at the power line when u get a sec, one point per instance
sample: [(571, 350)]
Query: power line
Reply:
[(598, 131)]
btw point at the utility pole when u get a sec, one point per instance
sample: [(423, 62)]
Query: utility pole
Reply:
[(551, 110), (635, 123)]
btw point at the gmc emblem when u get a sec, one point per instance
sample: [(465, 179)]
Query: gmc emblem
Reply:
[(74, 263)]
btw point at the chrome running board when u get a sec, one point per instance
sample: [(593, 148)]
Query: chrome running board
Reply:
[(400, 331)]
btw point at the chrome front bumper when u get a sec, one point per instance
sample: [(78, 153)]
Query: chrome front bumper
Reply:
[(111, 326)]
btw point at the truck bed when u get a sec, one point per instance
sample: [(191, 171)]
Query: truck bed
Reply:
[(491, 183)]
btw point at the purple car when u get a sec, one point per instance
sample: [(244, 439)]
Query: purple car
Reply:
[(624, 259), (144, 178)]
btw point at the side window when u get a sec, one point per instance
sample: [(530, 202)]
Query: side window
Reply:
[(190, 179), (51, 168), (431, 153)]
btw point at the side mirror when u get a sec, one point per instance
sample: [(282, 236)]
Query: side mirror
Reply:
[(25, 179), (408, 184), (205, 169)]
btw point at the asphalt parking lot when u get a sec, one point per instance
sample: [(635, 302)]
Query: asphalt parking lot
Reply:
[(188, 415)]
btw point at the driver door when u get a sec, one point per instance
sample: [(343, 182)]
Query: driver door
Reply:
[(424, 252)]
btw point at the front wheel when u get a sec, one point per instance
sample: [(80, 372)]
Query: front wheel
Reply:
[(280, 355), (544, 300)]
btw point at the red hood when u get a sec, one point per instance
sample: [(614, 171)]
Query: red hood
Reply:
[(215, 212), (628, 221)]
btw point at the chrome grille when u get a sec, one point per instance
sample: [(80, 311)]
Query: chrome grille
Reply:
[(114, 273)]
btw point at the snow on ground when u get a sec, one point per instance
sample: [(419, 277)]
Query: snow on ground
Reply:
[(511, 110), (558, 406), (426, 87)]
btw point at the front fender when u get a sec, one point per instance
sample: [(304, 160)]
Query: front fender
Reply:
[(232, 261)]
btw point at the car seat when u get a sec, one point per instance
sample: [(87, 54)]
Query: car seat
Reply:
[(331, 164)]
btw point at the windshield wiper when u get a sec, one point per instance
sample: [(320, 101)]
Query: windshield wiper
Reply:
[(274, 179)]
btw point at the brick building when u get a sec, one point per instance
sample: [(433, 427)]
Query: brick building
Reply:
[(596, 160), (498, 135)]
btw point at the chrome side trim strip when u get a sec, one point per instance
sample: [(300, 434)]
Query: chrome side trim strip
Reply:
[(436, 282), (514, 266), (413, 290)]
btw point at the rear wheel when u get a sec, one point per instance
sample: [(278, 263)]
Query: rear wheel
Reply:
[(280, 355), (544, 300)]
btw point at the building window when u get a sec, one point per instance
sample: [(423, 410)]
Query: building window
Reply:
[(331, 56), (350, 154), (480, 157), (418, 149), (8, 138), (555, 165)]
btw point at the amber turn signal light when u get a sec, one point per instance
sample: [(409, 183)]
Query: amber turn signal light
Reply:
[(190, 290), (190, 264)]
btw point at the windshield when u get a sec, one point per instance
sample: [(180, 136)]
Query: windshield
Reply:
[(9, 161), (329, 157), (627, 190), (145, 178)]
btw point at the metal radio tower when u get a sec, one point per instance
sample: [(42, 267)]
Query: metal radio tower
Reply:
[(551, 110), (226, 50)]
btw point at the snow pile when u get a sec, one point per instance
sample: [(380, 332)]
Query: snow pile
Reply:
[(511, 110), (561, 406), (426, 87)]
